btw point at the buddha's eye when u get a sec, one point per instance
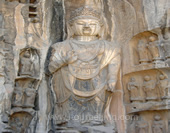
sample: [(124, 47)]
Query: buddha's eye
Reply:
[(92, 24), (80, 23)]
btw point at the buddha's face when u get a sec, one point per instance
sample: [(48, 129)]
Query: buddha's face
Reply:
[(27, 54), (86, 27)]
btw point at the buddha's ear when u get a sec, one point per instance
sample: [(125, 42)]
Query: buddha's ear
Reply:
[(70, 32), (103, 30)]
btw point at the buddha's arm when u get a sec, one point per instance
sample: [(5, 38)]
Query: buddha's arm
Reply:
[(57, 60), (113, 70)]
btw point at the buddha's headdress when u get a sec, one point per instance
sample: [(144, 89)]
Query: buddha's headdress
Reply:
[(85, 12)]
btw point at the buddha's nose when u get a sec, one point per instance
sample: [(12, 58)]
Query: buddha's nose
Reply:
[(86, 25)]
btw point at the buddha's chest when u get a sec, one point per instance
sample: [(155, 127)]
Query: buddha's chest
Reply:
[(87, 52), (85, 70)]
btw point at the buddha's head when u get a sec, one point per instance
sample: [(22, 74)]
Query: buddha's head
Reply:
[(147, 78), (27, 54), (85, 21), (162, 77)]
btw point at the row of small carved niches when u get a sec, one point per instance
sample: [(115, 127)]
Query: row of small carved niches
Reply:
[(148, 122), (147, 50), (33, 9), (29, 63), (146, 90)]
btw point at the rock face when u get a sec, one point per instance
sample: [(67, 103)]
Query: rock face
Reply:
[(55, 71)]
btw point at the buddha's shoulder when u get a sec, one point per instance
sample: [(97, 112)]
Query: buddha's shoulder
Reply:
[(60, 44), (112, 44)]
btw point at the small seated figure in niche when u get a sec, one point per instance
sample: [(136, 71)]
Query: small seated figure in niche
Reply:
[(158, 125), (149, 87), (166, 45), (18, 96), (141, 126), (29, 98), (163, 85), (26, 64), (154, 49), (143, 52), (133, 87)]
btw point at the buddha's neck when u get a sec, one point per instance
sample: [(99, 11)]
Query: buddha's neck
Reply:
[(85, 38)]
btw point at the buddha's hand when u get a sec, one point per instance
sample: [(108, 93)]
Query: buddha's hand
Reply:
[(71, 57), (111, 86)]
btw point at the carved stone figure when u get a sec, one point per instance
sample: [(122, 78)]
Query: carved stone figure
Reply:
[(163, 86), (26, 64), (134, 89), (141, 126), (18, 96), (29, 63), (149, 86), (166, 46), (143, 52), (158, 125), (84, 69), (29, 97), (154, 48)]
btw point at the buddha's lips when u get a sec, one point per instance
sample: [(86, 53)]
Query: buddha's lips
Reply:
[(87, 29)]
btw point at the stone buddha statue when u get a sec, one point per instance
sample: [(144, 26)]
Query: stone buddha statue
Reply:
[(84, 71)]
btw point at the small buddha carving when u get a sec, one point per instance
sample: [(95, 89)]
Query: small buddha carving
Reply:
[(166, 45), (149, 87), (154, 48), (18, 96), (29, 98), (163, 85), (158, 125), (143, 52), (134, 90), (26, 64), (142, 126)]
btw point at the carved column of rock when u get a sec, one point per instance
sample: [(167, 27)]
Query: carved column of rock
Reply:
[(29, 53)]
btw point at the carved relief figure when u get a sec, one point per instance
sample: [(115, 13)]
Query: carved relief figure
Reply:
[(26, 63), (158, 125), (163, 85), (166, 45), (134, 89), (84, 69), (18, 96), (154, 48), (149, 86), (143, 52), (29, 63), (142, 127), (29, 96)]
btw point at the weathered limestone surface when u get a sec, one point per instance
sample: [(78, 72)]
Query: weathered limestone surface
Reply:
[(30, 28)]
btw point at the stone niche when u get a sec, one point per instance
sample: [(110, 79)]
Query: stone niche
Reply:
[(29, 63)]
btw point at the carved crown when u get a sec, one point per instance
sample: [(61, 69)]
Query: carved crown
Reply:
[(84, 11)]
